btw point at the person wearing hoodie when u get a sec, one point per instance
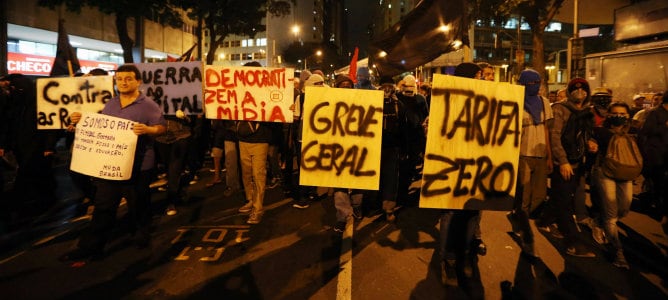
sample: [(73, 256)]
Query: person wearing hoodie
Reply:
[(535, 159), (570, 140)]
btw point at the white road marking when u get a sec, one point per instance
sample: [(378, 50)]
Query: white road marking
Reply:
[(344, 280)]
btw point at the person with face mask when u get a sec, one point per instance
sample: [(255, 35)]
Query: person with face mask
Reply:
[(570, 139), (616, 194), (535, 159)]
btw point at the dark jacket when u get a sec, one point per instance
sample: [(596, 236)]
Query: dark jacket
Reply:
[(653, 137), (253, 132)]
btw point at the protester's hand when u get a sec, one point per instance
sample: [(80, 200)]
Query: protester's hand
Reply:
[(48, 153), (140, 129), (592, 146), (75, 117), (566, 171), (425, 125), (550, 165), (2, 152)]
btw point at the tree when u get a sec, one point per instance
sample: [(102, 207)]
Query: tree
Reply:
[(240, 17), (164, 11), (537, 13)]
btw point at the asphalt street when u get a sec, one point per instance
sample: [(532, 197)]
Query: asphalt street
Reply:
[(207, 251)]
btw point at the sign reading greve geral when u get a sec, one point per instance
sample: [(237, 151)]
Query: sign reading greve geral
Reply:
[(473, 143), (173, 85), (59, 96), (104, 147), (249, 93), (341, 138)]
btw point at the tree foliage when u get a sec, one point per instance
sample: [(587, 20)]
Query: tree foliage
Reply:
[(225, 17), (537, 13), (163, 11)]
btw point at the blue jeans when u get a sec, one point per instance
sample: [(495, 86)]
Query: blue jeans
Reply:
[(616, 196)]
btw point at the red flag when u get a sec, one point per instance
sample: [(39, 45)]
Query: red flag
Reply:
[(66, 62), (352, 73)]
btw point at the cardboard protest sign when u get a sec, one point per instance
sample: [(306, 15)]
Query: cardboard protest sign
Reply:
[(59, 96), (473, 144), (341, 138), (104, 147), (173, 85), (249, 93)]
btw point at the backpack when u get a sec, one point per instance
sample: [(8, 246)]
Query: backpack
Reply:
[(576, 132), (623, 160)]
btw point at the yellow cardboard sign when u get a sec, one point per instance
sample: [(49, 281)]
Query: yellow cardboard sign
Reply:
[(341, 138), (473, 144)]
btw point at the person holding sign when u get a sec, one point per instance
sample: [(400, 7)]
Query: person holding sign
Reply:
[(132, 105), (254, 138), (457, 226)]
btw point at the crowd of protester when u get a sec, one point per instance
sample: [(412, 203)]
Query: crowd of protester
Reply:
[(565, 147)]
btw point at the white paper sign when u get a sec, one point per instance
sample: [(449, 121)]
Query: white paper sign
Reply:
[(104, 147)]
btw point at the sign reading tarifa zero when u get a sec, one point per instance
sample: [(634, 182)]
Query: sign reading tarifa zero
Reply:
[(473, 144)]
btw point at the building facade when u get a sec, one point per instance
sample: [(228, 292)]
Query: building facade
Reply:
[(32, 33)]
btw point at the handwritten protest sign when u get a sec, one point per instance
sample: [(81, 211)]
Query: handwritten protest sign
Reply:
[(473, 144), (174, 86), (249, 93), (104, 147), (341, 138), (58, 97)]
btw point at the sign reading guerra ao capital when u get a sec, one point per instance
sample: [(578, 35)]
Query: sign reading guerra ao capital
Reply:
[(174, 86), (473, 144), (248, 93)]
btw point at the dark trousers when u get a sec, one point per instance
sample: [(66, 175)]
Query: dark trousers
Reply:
[(457, 230), (109, 193), (561, 206), (174, 156)]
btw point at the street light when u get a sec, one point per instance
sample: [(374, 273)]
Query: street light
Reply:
[(317, 53)]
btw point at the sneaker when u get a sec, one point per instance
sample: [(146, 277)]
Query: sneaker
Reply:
[(479, 246), (90, 210), (551, 229), (529, 249), (390, 217), (194, 180), (228, 192), (512, 218), (357, 212), (158, 183), (274, 183), (171, 210), (162, 189), (620, 261), (579, 251), (448, 272), (254, 218), (587, 222), (598, 235), (340, 226), (301, 204), (248, 207)]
